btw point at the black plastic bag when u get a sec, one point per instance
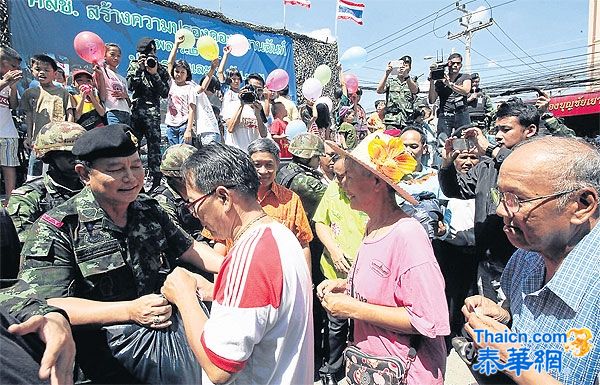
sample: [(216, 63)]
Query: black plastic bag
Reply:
[(155, 356)]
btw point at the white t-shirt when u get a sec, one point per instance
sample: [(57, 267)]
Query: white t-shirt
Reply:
[(247, 130), (178, 103), (7, 126), (260, 325), (115, 82), (205, 117)]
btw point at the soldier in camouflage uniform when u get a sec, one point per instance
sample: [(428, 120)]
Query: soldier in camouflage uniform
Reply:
[(400, 91), (171, 195), (61, 182), (108, 249), (148, 84), (301, 176)]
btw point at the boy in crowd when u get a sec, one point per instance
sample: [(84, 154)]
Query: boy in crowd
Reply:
[(43, 104), (89, 111), (10, 74), (278, 127)]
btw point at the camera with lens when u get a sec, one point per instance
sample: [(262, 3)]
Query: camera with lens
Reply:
[(438, 70), (248, 94), (151, 62)]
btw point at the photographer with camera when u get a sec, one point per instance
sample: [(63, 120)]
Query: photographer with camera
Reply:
[(400, 90), (452, 87), (149, 82), (480, 105), (244, 118)]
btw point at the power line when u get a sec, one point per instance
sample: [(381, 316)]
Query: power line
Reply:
[(518, 46), (509, 50), (480, 54)]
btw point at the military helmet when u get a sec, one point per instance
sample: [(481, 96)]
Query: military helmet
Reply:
[(57, 136), (174, 157), (307, 145)]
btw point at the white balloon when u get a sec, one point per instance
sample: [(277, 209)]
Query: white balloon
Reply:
[(354, 57), (239, 44)]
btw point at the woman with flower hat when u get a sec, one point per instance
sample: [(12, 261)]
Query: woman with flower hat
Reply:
[(395, 289)]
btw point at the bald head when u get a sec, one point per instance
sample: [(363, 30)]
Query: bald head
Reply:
[(565, 163)]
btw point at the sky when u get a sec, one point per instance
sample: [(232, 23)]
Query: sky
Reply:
[(529, 38)]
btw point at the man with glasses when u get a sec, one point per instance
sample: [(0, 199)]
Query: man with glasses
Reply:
[(515, 123), (547, 197), (244, 118), (452, 90), (103, 255)]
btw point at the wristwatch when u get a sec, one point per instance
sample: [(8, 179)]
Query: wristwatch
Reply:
[(490, 149)]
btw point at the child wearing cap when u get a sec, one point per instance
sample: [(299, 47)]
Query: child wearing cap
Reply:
[(89, 111), (347, 136)]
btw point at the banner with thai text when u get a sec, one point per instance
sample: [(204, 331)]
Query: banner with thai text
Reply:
[(577, 104), (49, 26)]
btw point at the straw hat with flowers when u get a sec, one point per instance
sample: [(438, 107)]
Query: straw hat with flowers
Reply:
[(386, 157)]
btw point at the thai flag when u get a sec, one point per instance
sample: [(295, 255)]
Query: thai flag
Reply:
[(303, 3), (348, 10)]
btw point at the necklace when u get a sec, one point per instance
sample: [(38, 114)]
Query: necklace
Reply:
[(247, 226)]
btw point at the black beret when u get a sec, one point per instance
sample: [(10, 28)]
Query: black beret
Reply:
[(144, 44), (110, 141)]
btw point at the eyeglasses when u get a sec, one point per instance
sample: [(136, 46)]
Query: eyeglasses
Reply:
[(512, 203), (190, 205)]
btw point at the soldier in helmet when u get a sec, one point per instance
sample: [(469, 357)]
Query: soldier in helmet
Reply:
[(53, 146), (301, 176), (171, 193)]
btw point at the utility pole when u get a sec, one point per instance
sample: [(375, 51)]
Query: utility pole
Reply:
[(470, 27)]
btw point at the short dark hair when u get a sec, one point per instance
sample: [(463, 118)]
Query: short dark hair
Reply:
[(406, 59), (338, 92), (526, 113), (276, 107), (474, 76), (455, 55), (7, 53), (255, 76), (418, 130), (379, 101), (285, 91), (233, 71), (41, 58), (184, 64), (113, 45), (217, 164)]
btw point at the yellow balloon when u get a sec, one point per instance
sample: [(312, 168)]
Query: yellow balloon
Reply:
[(207, 48)]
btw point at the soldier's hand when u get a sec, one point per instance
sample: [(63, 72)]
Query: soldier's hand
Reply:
[(542, 104), (151, 310), (389, 68), (59, 355), (153, 70), (142, 62)]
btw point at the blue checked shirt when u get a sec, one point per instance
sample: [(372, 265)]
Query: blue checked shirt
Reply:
[(571, 299)]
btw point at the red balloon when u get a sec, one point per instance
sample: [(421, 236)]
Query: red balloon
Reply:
[(89, 47), (351, 83)]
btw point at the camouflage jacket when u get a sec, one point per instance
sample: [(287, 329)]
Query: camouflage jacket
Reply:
[(21, 302), (147, 89), (555, 126), (31, 200), (398, 101), (304, 181), (79, 251), (176, 207)]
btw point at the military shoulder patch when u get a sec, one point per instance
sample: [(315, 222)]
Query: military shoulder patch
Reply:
[(54, 222)]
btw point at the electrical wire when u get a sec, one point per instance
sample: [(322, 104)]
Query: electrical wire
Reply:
[(509, 50), (515, 43)]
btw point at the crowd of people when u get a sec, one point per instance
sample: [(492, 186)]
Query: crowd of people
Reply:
[(405, 234)]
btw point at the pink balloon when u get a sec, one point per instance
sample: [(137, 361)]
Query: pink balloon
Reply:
[(89, 46), (277, 80), (351, 83)]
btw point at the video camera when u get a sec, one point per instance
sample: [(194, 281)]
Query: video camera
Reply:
[(437, 70), (248, 94)]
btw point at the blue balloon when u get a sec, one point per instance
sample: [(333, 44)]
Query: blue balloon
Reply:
[(354, 57), (295, 128), (34, 83)]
